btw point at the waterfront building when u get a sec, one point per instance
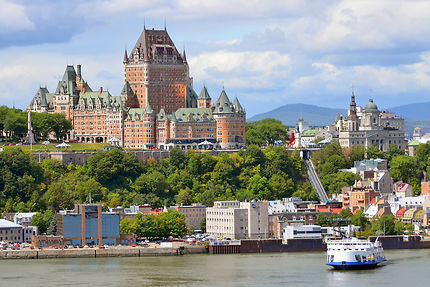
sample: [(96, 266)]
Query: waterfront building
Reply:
[(302, 232), (278, 222), (238, 220), (23, 218), (370, 126), (12, 232), (157, 108), (194, 214), (88, 225)]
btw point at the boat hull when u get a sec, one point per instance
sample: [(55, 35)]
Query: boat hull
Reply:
[(354, 265)]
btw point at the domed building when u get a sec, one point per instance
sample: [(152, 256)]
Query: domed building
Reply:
[(370, 126)]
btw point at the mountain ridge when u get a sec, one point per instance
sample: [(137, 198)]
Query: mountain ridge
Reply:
[(322, 116)]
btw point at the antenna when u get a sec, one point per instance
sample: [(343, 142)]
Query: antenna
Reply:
[(165, 26), (352, 88)]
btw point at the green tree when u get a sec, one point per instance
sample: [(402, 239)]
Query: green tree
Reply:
[(360, 219), (384, 225), (128, 226), (60, 125), (203, 225), (404, 168), (322, 220), (173, 224), (393, 151), (266, 131), (373, 151)]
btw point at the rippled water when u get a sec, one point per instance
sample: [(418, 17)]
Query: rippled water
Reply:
[(404, 268)]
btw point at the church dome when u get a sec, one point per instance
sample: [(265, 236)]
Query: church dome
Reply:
[(371, 106)]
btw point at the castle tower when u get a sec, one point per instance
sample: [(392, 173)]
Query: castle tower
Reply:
[(157, 73), (204, 100), (230, 119), (353, 121)]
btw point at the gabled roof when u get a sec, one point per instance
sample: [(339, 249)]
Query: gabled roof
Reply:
[(148, 109), (223, 105), (162, 115), (138, 113), (106, 99), (400, 212)]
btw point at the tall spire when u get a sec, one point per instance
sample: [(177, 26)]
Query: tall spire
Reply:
[(125, 56), (352, 104)]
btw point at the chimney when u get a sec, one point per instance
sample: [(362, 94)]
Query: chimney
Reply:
[(78, 68), (101, 90)]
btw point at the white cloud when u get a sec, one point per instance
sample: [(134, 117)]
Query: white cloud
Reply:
[(241, 69), (13, 17), (22, 75)]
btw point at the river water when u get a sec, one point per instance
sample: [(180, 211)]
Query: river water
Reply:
[(404, 268)]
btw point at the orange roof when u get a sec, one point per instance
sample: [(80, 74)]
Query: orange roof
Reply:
[(373, 201), (400, 212), (336, 210)]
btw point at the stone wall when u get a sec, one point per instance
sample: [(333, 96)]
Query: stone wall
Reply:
[(90, 253)]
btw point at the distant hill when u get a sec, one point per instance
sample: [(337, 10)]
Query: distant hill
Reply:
[(290, 113), (321, 116), (413, 112)]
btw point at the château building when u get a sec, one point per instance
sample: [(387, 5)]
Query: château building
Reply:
[(369, 126), (157, 108)]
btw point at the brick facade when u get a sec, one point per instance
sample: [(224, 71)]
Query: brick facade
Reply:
[(157, 108)]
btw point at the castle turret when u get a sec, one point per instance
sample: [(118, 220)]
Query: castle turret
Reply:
[(204, 99)]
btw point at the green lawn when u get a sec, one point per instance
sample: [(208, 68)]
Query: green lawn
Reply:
[(51, 147)]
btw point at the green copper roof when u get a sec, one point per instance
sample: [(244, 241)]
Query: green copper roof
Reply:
[(193, 115), (126, 90), (191, 97), (137, 113), (67, 84), (371, 106), (413, 143), (310, 132), (237, 106), (204, 95), (105, 99), (223, 105)]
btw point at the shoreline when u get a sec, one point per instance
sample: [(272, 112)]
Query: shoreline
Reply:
[(95, 252)]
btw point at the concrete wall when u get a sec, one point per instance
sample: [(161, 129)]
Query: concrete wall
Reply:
[(90, 253)]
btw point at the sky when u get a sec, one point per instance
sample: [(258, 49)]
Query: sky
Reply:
[(267, 53)]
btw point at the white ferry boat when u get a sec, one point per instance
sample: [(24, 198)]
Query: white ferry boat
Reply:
[(353, 253)]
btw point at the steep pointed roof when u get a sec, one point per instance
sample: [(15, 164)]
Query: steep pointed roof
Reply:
[(126, 90), (154, 42), (42, 98), (204, 95), (125, 56), (149, 109), (238, 107), (162, 114), (68, 83), (223, 104)]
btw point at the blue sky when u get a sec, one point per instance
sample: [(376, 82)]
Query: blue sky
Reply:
[(268, 53)]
